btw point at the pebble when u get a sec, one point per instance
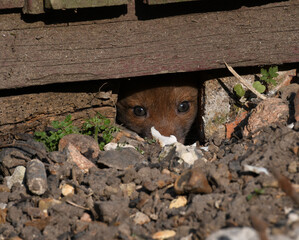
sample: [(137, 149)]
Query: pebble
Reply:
[(121, 159), (181, 201), (292, 168), (128, 188), (86, 145), (86, 217), (46, 203), (187, 154), (75, 156), (270, 110), (192, 181), (16, 177), (67, 190), (164, 234), (36, 177), (141, 218)]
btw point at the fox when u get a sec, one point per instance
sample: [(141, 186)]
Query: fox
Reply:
[(171, 106)]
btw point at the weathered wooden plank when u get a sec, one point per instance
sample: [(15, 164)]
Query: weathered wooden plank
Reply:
[(244, 37), (34, 110), (5, 4), (67, 4)]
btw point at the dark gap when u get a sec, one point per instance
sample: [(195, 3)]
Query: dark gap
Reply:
[(10, 10), (145, 12), (77, 15)]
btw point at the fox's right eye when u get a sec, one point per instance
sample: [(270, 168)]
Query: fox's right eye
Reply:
[(139, 111)]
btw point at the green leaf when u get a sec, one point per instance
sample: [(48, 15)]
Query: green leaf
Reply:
[(273, 81), (273, 71), (55, 124), (259, 87), (68, 118), (264, 72), (239, 90)]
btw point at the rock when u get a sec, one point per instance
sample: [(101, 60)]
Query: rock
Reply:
[(10, 158), (57, 156), (115, 146), (189, 154), (14, 214), (292, 168), (220, 175), (164, 234), (16, 177), (192, 181), (46, 203), (86, 217), (31, 233), (244, 233), (181, 201), (141, 218), (271, 110), (67, 190), (230, 127), (86, 145), (111, 211), (128, 188), (75, 156), (186, 154), (36, 177), (121, 159), (149, 185)]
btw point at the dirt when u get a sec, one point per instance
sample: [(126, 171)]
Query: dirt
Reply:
[(127, 194)]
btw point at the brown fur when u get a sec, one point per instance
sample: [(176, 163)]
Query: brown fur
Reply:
[(161, 100)]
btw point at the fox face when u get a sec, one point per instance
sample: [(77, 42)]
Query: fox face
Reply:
[(170, 106)]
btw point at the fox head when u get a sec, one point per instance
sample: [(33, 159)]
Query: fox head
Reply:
[(170, 106)]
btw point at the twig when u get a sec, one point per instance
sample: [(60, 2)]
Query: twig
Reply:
[(76, 205), (246, 83)]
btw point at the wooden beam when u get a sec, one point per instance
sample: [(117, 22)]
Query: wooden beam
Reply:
[(66, 4), (7, 4), (38, 54)]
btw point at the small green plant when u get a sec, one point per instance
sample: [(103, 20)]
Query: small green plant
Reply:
[(256, 192), (99, 125), (267, 79), (51, 138), (268, 76), (239, 90)]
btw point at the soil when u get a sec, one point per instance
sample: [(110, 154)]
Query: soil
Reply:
[(129, 195)]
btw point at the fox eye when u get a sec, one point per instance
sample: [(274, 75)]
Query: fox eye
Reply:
[(183, 106), (139, 111)]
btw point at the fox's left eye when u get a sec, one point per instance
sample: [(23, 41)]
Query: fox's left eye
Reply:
[(183, 106), (139, 111)]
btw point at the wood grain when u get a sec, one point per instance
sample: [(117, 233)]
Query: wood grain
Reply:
[(37, 54)]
